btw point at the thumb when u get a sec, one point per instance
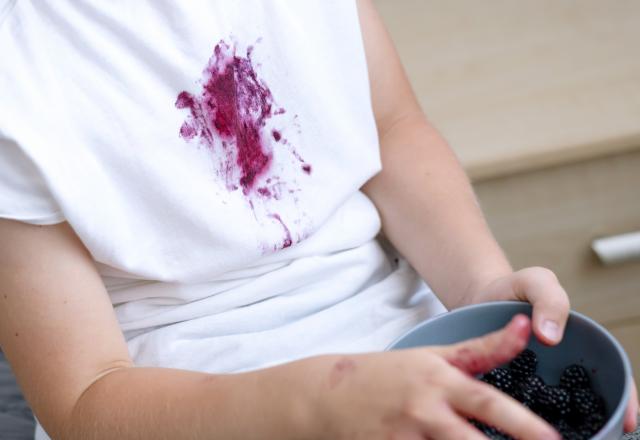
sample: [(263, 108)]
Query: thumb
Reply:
[(550, 302), (483, 354)]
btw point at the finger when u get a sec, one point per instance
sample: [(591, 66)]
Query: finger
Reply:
[(412, 436), (409, 434), (483, 402), (550, 302), (447, 425), (631, 415), (482, 354)]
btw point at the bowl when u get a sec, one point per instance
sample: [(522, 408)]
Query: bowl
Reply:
[(585, 343)]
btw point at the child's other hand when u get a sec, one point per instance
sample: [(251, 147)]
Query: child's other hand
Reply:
[(538, 286), (425, 392)]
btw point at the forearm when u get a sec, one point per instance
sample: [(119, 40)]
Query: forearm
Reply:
[(157, 403), (430, 214)]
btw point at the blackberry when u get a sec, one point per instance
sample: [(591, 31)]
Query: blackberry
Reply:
[(534, 383), (566, 430), (553, 403), (591, 425), (524, 365), (501, 378), (585, 402), (524, 394), (574, 377), (572, 407)]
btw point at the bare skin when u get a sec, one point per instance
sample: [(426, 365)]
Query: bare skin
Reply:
[(60, 334)]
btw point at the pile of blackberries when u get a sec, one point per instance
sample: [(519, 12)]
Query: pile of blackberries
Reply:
[(572, 407)]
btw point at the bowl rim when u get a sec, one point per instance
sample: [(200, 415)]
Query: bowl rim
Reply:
[(616, 414)]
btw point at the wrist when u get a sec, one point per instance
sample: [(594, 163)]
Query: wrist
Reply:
[(478, 287), (297, 390)]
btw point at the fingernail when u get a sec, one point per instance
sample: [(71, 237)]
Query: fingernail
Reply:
[(551, 330)]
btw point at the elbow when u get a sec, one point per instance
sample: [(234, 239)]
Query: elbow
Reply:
[(82, 420)]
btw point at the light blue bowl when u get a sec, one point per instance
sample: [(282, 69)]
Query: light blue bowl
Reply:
[(585, 342)]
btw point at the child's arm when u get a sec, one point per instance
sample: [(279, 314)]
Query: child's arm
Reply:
[(59, 332), (428, 208)]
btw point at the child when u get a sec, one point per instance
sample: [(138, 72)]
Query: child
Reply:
[(191, 194)]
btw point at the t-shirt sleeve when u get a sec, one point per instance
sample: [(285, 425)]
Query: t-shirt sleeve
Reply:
[(24, 195)]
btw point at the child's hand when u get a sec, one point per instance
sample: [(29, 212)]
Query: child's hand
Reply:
[(426, 392), (538, 286)]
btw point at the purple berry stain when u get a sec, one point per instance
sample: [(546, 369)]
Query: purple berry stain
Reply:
[(229, 117), (287, 240)]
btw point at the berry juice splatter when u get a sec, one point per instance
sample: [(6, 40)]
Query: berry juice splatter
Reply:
[(229, 116)]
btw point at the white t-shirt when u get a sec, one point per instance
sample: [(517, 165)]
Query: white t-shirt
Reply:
[(209, 155)]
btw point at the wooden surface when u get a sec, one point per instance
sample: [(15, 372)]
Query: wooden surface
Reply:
[(550, 217), (516, 85)]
